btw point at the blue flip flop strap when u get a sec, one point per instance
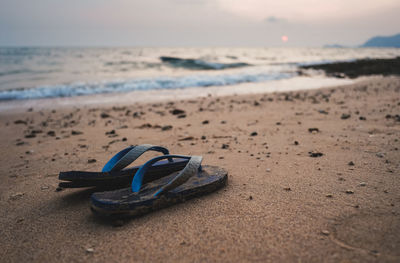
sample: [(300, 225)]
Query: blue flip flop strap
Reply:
[(129, 155), (191, 168)]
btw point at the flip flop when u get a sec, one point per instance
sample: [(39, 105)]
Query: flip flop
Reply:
[(113, 173), (194, 180)]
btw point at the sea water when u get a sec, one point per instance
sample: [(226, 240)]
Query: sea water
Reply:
[(42, 72)]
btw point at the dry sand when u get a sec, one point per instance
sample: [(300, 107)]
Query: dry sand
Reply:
[(280, 204)]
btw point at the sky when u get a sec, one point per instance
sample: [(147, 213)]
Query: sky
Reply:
[(195, 22)]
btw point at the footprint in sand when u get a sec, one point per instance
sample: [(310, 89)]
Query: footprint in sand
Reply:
[(377, 234)]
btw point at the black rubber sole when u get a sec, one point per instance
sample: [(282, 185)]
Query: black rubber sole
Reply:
[(189, 191)]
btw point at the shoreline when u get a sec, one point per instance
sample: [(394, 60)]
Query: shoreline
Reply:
[(148, 96), (312, 177)]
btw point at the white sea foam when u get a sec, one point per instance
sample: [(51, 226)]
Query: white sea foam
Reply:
[(182, 82)]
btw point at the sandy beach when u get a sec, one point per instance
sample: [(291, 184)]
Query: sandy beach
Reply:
[(313, 177)]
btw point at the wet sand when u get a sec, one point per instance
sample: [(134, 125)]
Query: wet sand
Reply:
[(313, 177)]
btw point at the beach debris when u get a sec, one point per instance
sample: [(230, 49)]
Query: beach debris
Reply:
[(253, 134), (350, 192), (177, 112), (32, 134), (73, 132), (145, 125), (362, 184), (314, 154), (104, 115), (166, 127), (380, 155), (351, 163), (287, 189), (323, 112), (268, 170), (345, 116), (16, 196), (189, 138), (19, 143), (329, 195), (20, 122), (203, 137), (92, 161), (44, 187), (59, 189), (89, 250), (111, 134), (325, 232), (118, 223), (313, 130)]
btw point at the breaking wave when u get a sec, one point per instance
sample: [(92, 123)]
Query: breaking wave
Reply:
[(182, 82)]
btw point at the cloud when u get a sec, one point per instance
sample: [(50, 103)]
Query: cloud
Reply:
[(274, 20), (307, 10)]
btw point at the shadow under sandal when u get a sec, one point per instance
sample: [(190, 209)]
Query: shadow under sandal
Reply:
[(114, 174), (194, 180)]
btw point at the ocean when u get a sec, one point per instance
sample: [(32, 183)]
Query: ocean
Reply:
[(41, 72)]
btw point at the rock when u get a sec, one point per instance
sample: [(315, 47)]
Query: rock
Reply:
[(325, 232), (351, 163), (203, 137), (253, 134), (296, 143), (110, 132), (51, 133), (76, 132), (177, 112), (225, 146), (362, 118), (380, 155), (30, 135), (345, 116), (268, 170), (16, 196), (89, 250), (206, 122), (166, 128), (20, 122), (104, 115), (349, 192), (287, 189), (315, 154), (362, 184), (44, 187), (311, 130), (323, 112), (59, 189), (329, 195), (92, 161), (189, 138)]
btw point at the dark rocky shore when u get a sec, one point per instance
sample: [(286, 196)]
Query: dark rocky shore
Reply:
[(363, 67)]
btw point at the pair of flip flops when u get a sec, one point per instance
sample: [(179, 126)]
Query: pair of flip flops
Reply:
[(158, 183)]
